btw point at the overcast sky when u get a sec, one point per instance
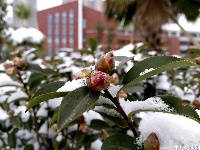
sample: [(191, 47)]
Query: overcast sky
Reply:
[(44, 4)]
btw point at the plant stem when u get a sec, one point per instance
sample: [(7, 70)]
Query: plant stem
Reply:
[(121, 111), (39, 138)]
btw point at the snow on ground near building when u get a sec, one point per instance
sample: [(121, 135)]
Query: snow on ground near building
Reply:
[(26, 34), (172, 130)]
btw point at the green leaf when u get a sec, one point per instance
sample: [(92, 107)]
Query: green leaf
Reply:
[(76, 103), (176, 104), (51, 87), (123, 60), (44, 97), (35, 80), (120, 142), (99, 125), (54, 119), (93, 44), (12, 140), (34, 68), (29, 147), (15, 121), (158, 64), (118, 121)]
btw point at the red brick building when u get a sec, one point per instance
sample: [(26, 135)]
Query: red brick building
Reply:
[(60, 25)]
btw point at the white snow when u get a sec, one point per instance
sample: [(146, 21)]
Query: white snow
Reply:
[(26, 34), (3, 115), (21, 110), (90, 115), (17, 95), (186, 94), (146, 71), (72, 85), (53, 103), (153, 103), (42, 111), (44, 128), (110, 112), (172, 130), (96, 145), (163, 83)]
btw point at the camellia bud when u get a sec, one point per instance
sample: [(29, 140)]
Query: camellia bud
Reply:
[(7, 65), (115, 79), (82, 74), (11, 71), (19, 62), (106, 63), (197, 60), (122, 94), (83, 127), (98, 81), (152, 142)]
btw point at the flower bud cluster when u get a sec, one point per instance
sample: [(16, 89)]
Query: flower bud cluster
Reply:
[(100, 78), (13, 66)]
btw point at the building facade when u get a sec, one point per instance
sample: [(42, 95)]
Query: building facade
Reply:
[(95, 4), (184, 42), (32, 21), (60, 25)]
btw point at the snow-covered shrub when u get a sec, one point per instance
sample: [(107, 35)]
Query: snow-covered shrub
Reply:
[(103, 117), (77, 101)]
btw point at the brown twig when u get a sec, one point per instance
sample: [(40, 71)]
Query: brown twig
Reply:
[(121, 111)]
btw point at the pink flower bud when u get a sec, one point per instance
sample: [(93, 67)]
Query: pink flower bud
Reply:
[(197, 60), (106, 63), (98, 81), (11, 71), (115, 79), (7, 65), (152, 142), (19, 62), (122, 94), (82, 74)]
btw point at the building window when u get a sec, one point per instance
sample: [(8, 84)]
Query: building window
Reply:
[(84, 23), (49, 34), (56, 32), (64, 29), (71, 17), (49, 50), (49, 20), (194, 34), (64, 18), (71, 39)]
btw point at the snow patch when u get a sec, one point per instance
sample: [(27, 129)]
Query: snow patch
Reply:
[(172, 130)]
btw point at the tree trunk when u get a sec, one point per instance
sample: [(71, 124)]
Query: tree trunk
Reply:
[(194, 42)]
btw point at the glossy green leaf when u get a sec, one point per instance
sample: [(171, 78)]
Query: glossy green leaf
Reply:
[(118, 121), (177, 108), (34, 68), (44, 97), (157, 65), (12, 140), (76, 103), (120, 142), (35, 80), (51, 87), (15, 121), (54, 119), (29, 147), (123, 60), (93, 44), (99, 125)]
